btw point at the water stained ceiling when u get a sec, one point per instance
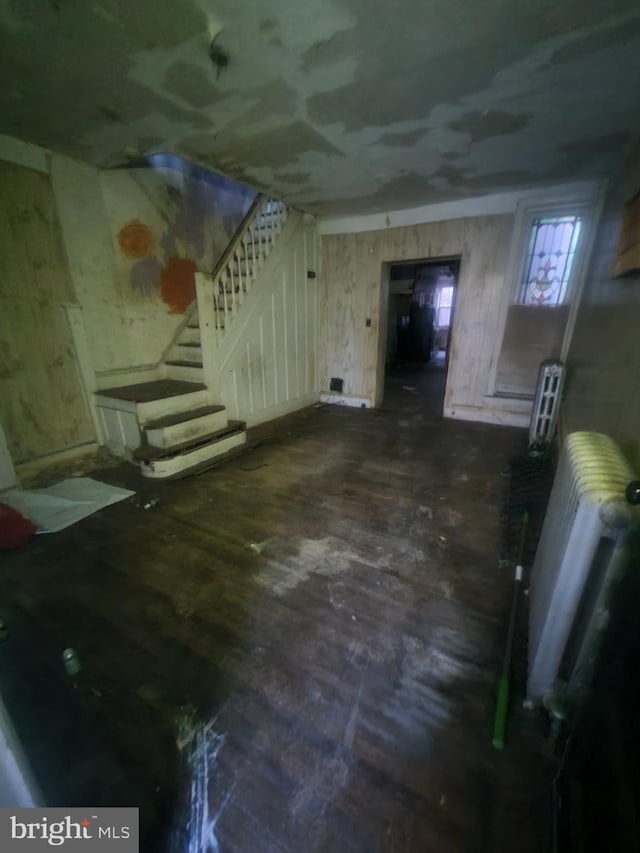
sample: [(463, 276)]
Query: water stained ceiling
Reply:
[(336, 106)]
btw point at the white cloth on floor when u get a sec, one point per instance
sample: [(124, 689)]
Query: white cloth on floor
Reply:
[(56, 507)]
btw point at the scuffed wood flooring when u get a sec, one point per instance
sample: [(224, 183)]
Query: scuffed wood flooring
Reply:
[(316, 627)]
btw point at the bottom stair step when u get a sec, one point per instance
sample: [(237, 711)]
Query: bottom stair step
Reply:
[(163, 462)]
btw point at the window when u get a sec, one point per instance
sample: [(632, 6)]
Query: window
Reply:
[(551, 251), (443, 310)]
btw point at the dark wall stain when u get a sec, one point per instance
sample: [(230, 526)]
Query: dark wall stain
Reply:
[(109, 113), (402, 139), (136, 240), (275, 98), (68, 92), (178, 284), (484, 125), (192, 83), (293, 177), (157, 25), (276, 148), (466, 181), (267, 25), (603, 39), (383, 93), (338, 46), (583, 149)]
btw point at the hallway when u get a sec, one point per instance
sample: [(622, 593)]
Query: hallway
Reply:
[(311, 632)]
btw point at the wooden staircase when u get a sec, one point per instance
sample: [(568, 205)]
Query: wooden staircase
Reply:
[(170, 425)]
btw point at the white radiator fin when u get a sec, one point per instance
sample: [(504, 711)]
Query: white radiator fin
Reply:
[(546, 406), (587, 504)]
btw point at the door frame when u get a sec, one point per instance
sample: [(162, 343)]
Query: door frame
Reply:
[(383, 315)]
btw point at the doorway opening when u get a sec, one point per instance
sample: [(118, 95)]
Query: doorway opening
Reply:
[(421, 304)]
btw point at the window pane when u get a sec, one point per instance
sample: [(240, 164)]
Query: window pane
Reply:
[(444, 316), (446, 297), (550, 256)]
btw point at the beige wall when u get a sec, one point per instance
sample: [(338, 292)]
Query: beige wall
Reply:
[(352, 268), (42, 402), (604, 358)]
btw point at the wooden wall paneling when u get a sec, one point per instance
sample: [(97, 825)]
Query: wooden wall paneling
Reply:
[(351, 293), (42, 402), (269, 366)]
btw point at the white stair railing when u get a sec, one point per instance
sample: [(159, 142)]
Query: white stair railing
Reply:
[(234, 276)]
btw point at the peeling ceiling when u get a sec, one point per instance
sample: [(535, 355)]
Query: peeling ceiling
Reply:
[(336, 106)]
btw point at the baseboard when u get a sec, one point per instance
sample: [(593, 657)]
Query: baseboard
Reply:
[(488, 416), (273, 412), (345, 400), (33, 467)]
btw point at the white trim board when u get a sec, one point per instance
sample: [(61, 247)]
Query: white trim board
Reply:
[(485, 205), (345, 400)]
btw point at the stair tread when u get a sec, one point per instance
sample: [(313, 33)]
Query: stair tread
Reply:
[(183, 363), (145, 392), (148, 453), (182, 417), (201, 467)]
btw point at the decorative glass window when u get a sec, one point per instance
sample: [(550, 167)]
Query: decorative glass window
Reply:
[(443, 312), (550, 254)]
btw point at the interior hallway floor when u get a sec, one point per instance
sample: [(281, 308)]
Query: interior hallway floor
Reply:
[(295, 651)]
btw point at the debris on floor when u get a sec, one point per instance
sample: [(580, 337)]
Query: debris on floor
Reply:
[(56, 507), (258, 547)]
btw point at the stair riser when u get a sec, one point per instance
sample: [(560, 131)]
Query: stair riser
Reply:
[(187, 374), (187, 431), (170, 406), (162, 468), (178, 353), (189, 336)]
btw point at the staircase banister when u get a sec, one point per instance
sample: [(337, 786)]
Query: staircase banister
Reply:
[(237, 237)]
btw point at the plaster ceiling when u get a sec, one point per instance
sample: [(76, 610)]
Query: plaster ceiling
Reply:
[(336, 106)]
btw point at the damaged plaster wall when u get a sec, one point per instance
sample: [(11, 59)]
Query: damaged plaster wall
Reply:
[(603, 365), (336, 106), (352, 267), (43, 408), (123, 245), (135, 238)]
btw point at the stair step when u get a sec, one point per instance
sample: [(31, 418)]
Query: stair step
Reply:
[(151, 400), (163, 464), (185, 427), (148, 452), (184, 363), (146, 392), (187, 371), (181, 354), (181, 417), (237, 445)]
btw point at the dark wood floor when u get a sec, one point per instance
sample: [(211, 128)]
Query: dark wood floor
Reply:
[(330, 688)]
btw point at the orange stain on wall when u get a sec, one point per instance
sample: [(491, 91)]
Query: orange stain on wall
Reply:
[(178, 284), (136, 240)]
